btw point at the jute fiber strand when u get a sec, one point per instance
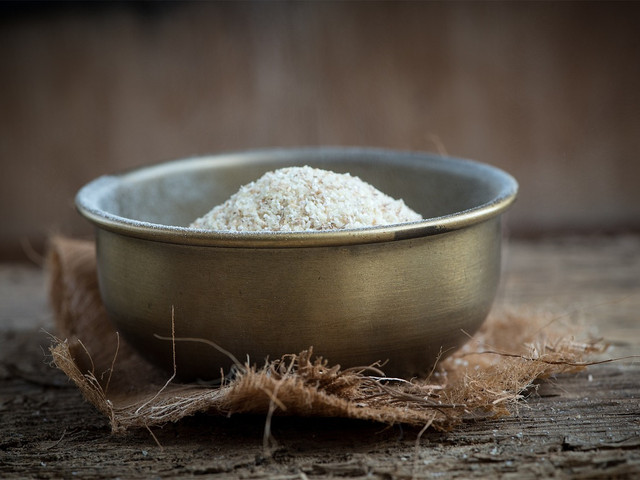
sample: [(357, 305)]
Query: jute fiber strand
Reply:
[(486, 378)]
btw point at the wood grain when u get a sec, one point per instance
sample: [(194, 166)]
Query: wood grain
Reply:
[(573, 426), (546, 90)]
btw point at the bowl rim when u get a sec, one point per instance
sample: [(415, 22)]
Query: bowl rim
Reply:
[(88, 197)]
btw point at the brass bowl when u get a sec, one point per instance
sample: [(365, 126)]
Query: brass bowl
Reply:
[(404, 294)]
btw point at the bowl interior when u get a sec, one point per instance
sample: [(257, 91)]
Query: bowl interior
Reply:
[(176, 193)]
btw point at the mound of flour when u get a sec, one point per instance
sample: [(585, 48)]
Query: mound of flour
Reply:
[(302, 199)]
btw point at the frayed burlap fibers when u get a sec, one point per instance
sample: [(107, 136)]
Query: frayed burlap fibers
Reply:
[(485, 378)]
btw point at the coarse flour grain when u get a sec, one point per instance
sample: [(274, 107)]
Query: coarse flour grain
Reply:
[(297, 199)]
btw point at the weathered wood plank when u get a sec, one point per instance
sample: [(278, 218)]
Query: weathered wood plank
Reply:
[(575, 426)]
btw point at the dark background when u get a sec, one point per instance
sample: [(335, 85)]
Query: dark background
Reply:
[(548, 91)]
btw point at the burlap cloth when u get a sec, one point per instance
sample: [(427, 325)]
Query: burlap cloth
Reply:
[(487, 377)]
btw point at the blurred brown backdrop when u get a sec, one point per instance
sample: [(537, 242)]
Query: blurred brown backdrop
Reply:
[(548, 91)]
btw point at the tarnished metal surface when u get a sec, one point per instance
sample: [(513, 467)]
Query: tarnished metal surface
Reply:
[(403, 293)]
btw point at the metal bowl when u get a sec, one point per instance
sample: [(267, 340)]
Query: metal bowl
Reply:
[(405, 294)]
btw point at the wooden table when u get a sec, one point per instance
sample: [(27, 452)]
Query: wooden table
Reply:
[(585, 425)]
